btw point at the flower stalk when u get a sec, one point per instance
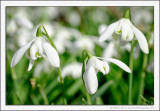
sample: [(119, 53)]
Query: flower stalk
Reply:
[(131, 74), (59, 68)]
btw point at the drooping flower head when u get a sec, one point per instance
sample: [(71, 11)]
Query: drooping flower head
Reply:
[(37, 48), (127, 30), (96, 64)]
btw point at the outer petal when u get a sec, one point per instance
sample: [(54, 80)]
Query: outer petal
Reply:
[(90, 79), (51, 54), (141, 40), (109, 31), (18, 55), (31, 63), (119, 63)]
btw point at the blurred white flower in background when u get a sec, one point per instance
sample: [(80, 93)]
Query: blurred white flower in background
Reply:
[(143, 16), (22, 19), (94, 65), (73, 18), (11, 27), (43, 66), (85, 43), (98, 14), (63, 40), (23, 36), (102, 28), (52, 12), (74, 69), (64, 37)]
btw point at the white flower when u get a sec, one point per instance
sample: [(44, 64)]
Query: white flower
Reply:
[(63, 40), (42, 67), (11, 27), (73, 18), (127, 31), (85, 43), (73, 69), (93, 66), (22, 36), (37, 48), (22, 19)]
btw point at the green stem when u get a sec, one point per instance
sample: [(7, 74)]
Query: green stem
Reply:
[(142, 80), (131, 74), (62, 85), (46, 34), (43, 95), (59, 68), (88, 96)]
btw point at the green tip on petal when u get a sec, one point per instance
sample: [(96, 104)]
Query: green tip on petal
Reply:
[(127, 14), (39, 32)]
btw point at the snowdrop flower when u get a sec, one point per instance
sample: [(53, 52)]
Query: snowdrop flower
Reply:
[(37, 48), (127, 30), (73, 69), (96, 64)]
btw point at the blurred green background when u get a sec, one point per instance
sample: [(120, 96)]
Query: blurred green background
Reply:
[(74, 29)]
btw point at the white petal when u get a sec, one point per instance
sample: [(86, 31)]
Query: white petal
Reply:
[(90, 79), (51, 54), (141, 40), (118, 63), (19, 54), (109, 31), (31, 63)]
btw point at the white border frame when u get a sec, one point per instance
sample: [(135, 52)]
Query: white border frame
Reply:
[(81, 3)]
